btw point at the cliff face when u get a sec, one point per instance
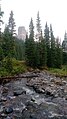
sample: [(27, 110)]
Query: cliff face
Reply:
[(64, 46)]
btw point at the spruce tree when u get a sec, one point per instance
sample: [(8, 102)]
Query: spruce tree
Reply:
[(30, 46), (1, 39), (47, 42), (38, 25), (1, 21), (64, 47), (19, 49), (8, 43), (52, 50), (42, 51), (31, 29), (11, 24), (58, 56)]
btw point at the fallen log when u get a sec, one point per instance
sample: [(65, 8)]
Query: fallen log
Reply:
[(8, 78)]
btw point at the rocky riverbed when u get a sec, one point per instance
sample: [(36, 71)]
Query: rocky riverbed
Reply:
[(40, 96)]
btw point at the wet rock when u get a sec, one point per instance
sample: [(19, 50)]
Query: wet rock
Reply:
[(8, 110), (3, 116), (19, 92), (30, 104), (58, 82), (8, 117), (38, 89), (3, 99), (5, 90), (32, 116), (1, 109), (66, 97), (32, 99), (42, 95)]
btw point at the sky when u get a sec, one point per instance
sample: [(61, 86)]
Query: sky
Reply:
[(52, 11)]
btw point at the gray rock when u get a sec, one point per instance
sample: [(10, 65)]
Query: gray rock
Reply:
[(19, 92), (8, 110)]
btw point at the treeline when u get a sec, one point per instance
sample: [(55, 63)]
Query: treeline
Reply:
[(10, 45), (47, 51), (38, 52)]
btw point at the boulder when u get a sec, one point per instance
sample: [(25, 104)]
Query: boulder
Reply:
[(19, 92), (8, 110)]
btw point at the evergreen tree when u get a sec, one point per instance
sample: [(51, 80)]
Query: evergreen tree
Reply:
[(47, 42), (64, 43), (1, 40), (64, 47), (58, 56), (19, 49), (30, 46), (1, 54), (11, 24), (64, 58), (8, 43), (42, 51), (31, 29), (1, 21), (8, 64), (52, 50), (38, 25)]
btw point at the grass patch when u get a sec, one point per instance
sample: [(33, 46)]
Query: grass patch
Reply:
[(18, 67), (59, 72)]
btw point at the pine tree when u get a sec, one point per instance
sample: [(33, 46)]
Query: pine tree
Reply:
[(52, 50), (11, 24)]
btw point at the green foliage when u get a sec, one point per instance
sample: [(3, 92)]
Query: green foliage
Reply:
[(8, 43), (30, 52), (11, 66), (52, 48), (47, 42), (40, 53), (1, 21), (58, 56), (3, 72), (64, 58), (46, 52), (30, 46), (18, 66), (11, 24), (19, 53), (31, 29), (8, 64), (38, 25), (1, 54), (59, 72)]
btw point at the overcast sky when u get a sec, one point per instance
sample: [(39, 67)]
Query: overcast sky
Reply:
[(52, 11)]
